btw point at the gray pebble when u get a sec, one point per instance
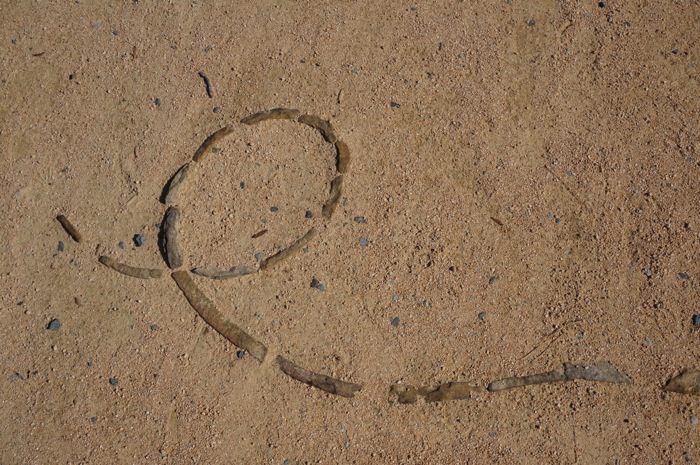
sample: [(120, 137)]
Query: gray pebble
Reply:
[(531, 23), (683, 275), (217, 109), (113, 381), (309, 214), (696, 320), (93, 419), (240, 353), (258, 256), (694, 420), (360, 219), (316, 284), (139, 240), (157, 101), (61, 246), (394, 105), (647, 272), (395, 321), (482, 316), (54, 325), (493, 279), (154, 327), (121, 244), (242, 185), (363, 242), (426, 303), (274, 209), (394, 297)]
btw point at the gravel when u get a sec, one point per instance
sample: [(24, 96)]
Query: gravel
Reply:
[(139, 240), (395, 321), (316, 284), (54, 325)]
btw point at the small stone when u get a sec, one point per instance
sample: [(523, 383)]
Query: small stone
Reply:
[(394, 105), (482, 316), (426, 303), (54, 325), (360, 219), (217, 109), (395, 321), (242, 185), (157, 101), (493, 279), (601, 4), (531, 23), (683, 275), (647, 272), (274, 209), (309, 214), (557, 220), (258, 256), (154, 327), (395, 297), (121, 244), (647, 341), (696, 320), (694, 420), (61, 246), (139, 240), (240, 353), (316, 284), (93, 419), (113, 381), (363, 242), (89, 364)]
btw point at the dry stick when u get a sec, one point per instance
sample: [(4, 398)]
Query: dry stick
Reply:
[(171, 243), (323, 382), (325, 127), (207, 84), (70, 229), (214, 318), (204, 149), (333, 197), (277, 258), (342, 162), (275, 113), (234, 272), (687, 382), (178, 182), (134, 272)]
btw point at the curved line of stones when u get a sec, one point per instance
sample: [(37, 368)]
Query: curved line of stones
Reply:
[(687, 382)]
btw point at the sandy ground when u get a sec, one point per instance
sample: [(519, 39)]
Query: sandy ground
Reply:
[(528, 176)]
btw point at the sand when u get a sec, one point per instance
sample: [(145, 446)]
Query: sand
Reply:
[(527, 173)]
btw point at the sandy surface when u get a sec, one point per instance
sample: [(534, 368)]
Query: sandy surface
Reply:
[(528, 175)]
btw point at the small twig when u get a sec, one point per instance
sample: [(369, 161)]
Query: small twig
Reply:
[(207, 83)]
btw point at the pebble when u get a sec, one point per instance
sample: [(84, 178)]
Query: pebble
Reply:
[(363, 242), (139, 240), (601, 4), (360, 219), (54, 325), (157, 101), (531, 23), (683, 275), (93, 419), (694, 420), (482, 316), (113, 381), (240, 353), (154, 327), (274, 209), (647, 272), (394, 105), (61, 246), (493, 279), (258, 256), (394, 297), (696, 320), (217, 109), (426, 303), (316, 284), (309, 214), (121, 244), (395, 321), (242, 185)]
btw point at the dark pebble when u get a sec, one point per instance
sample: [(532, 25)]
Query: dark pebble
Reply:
[(363, 242), (93, 419), (601, 4), (61, 246), (482, 316), (309, 214), (89, 364), (493, 279), (316, 284), (360, 219), (215, 149), (113, 381), (531, 23), (139, 240), (647, 272), (217, 109), (54, 325), (675, 51), (242, 185), (157, 101), (20, 376), (394, 105), (683, 275), (426, 303), (154, 327), (121, 244), (557, 220), (696, 320), (274, 209), (395, 321), (240, 353)]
